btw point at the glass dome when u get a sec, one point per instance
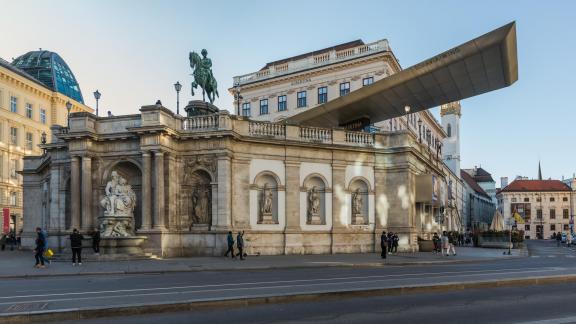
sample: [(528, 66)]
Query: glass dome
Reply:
[(50, 69)]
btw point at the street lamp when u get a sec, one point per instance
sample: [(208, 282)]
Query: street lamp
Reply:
[(97, 95), (237, 97), (428, 138), (177, 87), (407, 110), (68, 107), (420, 130)]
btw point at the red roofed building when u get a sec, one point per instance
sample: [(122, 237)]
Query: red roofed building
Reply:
[(547, 206)]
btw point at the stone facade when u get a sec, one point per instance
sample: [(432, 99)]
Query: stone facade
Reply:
[(289, 188)]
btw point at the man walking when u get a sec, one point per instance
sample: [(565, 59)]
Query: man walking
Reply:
[(558, 239), (39, 250), (384, 244), (76, 244), (230, 239), (240, 244), (96, 241)]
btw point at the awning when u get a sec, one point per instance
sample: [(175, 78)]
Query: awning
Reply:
[(484, 64)]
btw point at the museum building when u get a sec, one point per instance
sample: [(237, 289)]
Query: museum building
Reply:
[(312, 182)]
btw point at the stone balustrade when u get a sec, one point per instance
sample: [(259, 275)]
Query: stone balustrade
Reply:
[(201, 123), (361, 138), (313, 61), (266, 129), (315, 134)]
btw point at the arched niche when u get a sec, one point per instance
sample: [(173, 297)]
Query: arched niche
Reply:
[(315, 186), (359, 201), (196, 202), (267, 185), (129, 170)]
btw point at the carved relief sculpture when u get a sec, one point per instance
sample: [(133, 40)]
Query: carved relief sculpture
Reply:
[(314, 207), (200, 206), (119, 205), (357, 207), (266, 202)]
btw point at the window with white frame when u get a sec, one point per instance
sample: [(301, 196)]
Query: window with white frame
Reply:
[(344, 88), (43, 115), (246, 109), (13, 168), (13, 135), (13, 104), (264, 107), (367, 81), (301, 99), (29, 111), (29, 141), (282, 105)]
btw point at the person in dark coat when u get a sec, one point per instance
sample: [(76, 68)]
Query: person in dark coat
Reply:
[(390, 242), (240, 244), (76, 245), (230, 240), (96, 241), (384, 244), (395, 240), (39, 249)]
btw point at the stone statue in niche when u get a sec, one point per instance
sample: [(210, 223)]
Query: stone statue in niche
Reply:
[(357, 207), (266, 202), (314, 207), (118, 204), (201, 206)]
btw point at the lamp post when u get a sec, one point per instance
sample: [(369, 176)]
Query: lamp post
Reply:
[(177, 87), (97, 95), (407, 110), (68, 107), (420, 130), (237, 97), (428, 138)]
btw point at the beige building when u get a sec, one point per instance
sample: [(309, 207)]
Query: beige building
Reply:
[(28, 107), (545, 205)]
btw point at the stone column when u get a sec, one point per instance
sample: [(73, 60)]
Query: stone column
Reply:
[(224, 198), (292, 195), (75, 192), (146, 191), (339, 210), (87, 220), (241, 193), (159, 210)]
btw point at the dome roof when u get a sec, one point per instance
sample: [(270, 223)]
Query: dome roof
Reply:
[(51, 70)]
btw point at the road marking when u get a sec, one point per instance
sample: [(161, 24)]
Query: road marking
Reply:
[(561, 320), (153, 293)]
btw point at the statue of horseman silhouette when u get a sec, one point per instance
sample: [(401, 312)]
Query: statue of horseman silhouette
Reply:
[(203, 76)]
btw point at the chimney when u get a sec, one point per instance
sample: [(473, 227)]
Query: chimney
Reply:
[(503, 182)]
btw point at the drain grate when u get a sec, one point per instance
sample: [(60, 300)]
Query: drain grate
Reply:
[(26, 307)]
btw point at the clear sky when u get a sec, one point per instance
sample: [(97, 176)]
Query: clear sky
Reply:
[(134, 51)]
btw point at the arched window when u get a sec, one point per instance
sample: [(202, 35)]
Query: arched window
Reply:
[(449, 130)]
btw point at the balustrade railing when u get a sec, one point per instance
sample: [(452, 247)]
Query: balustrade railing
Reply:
[(313, 134), (361, 138), (266, 129), (200, 123)]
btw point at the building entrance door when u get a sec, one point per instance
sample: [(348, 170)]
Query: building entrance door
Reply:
[(540, 232)]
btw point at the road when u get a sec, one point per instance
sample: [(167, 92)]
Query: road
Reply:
[(58, 293)]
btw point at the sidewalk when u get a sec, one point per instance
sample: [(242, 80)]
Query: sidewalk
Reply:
[(19, 264)]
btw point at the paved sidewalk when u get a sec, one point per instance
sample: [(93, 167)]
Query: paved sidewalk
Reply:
[(14, 264)]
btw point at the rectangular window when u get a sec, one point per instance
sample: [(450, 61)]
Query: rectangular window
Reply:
[(527, 227), (13, 104), (564, 198), (282, 103), (566, 227), (551, 199), (552, 213), (13, 135), (344, 88), (367, 81), (13, 166), (526, 199), (539, 213), (301, 102), (513, 199), (552, 227), (322, 95), (246, 109), (29, 142), (13, 198), (538, 199), (264, 107), (43, 115), (29, 111), (565, 214)]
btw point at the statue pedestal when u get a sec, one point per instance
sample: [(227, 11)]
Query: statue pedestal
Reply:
[(116, 226), (358, 219), (122, 246), (267, 218), (315, 219)]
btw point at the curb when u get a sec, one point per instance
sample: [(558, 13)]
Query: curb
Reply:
[(256, 268), (143, 309)]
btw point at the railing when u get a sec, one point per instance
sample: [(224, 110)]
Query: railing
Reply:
[(200, 123), (313, 134), (266, 129), (313, 61), (361, 138)]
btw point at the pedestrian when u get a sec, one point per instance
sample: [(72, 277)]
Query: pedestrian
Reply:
[(39, 249), (230, 240), (3, 241), (76, 245), (436, 240), (240, 244), (451, 242), (395, 240), (445, 243), (96, 241), (19, 240), (553, 236), (568, 239), (390, 242), (12, 240), (558, 239), (384, 244), (45, 238)]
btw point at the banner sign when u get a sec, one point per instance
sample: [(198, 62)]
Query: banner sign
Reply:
[(6, 220)]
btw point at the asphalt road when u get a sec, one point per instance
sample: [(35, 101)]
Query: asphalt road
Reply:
[(58, 293)]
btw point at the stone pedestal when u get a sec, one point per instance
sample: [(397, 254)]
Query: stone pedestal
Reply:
[(122, 246), (267, 218), (358, 219), (315, 219), (116, 226)]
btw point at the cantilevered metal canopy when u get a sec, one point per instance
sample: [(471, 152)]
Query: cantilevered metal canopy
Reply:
[(484, 64)]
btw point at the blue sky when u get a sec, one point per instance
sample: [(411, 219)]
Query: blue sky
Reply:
[(134, 51)]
